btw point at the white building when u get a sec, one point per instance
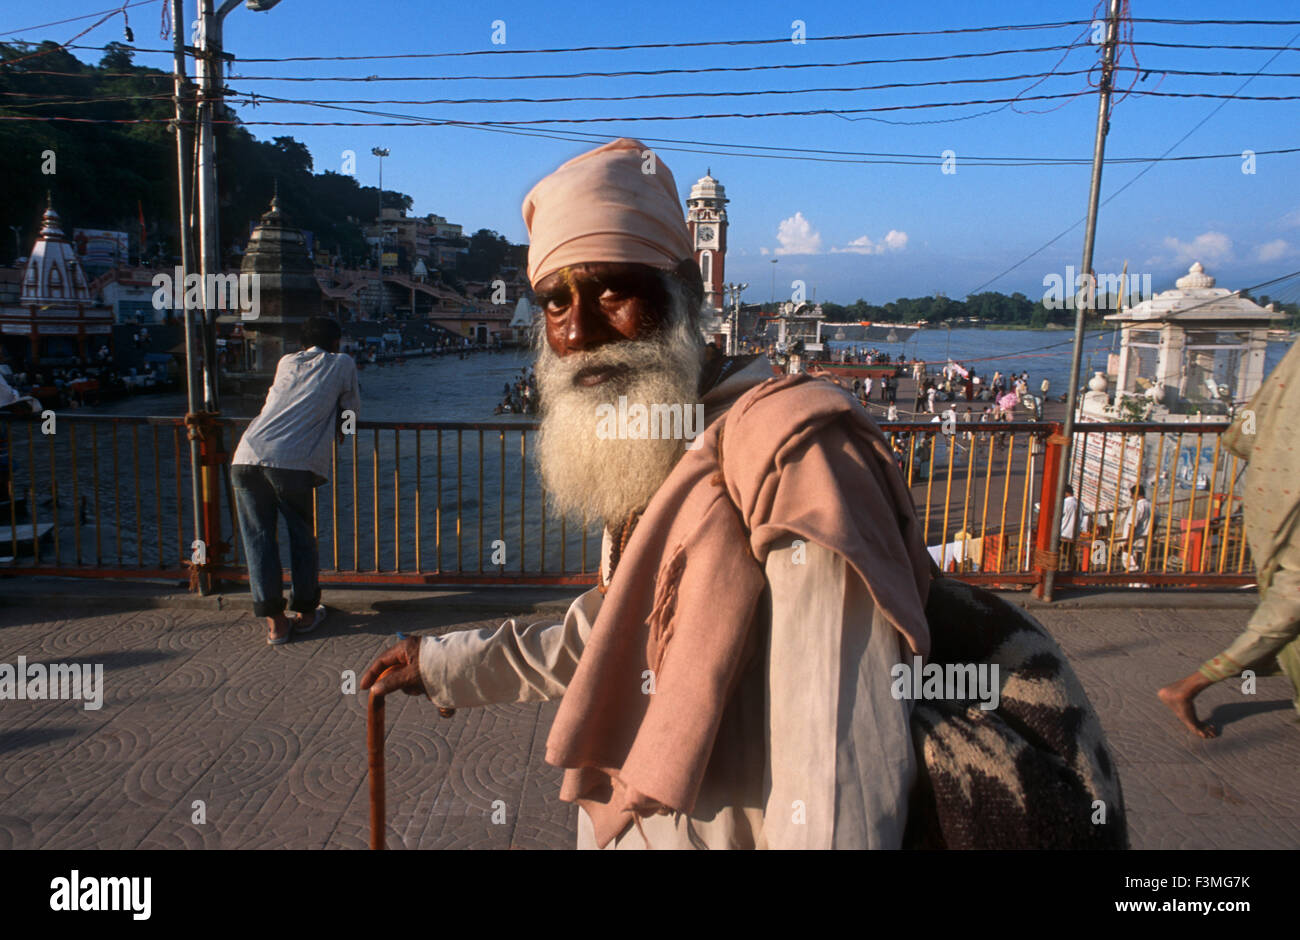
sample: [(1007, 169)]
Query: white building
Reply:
[(56, 320), (1191, 354), (1195, 349)]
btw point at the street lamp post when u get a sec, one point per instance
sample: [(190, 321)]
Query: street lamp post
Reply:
[(733, 317), (380, 152), (774, 261)]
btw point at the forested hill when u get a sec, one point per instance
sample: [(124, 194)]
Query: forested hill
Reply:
[(991, 308), (107, 174)]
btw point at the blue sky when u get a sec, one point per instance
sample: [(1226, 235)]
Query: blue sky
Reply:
[(848, 230)]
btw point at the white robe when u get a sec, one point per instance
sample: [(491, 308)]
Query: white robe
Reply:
[(813, 750)]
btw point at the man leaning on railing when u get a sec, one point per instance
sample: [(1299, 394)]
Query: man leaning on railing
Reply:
[(283, 456)]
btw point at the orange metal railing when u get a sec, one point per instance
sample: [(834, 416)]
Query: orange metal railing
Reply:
[(461, 502)]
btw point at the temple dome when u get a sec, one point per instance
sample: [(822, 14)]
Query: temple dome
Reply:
[(1194, 279), (53, 276), (1195, 297)]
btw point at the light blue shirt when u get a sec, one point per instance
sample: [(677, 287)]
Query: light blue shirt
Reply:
[(298, 420)]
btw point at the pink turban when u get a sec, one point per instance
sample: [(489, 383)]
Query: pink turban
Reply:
[(605, 205)]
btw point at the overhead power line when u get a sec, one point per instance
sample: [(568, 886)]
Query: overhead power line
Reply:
[(1156, 70), (668, 95), (641, 73), (696, 44), (730, 148), (765, 91), (1137, 176), (813, 112), (785, 153), (705, 43), (74, 19), (592, 74)]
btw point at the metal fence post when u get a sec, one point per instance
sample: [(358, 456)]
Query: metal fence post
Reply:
[(1044, 559)]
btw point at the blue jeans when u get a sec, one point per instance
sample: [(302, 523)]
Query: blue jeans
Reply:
[(260, 494)]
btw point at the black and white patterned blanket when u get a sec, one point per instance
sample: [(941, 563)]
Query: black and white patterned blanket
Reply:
[(1033, 773)]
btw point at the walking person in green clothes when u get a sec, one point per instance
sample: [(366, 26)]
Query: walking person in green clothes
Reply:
[(1265, 434)]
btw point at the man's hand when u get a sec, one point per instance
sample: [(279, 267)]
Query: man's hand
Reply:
[(404, 658)]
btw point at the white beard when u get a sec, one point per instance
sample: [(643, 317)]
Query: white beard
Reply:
[(610, 478)]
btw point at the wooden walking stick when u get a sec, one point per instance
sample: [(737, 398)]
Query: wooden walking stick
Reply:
[(375, 761), (375, 753)]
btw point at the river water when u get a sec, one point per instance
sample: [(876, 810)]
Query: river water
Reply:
[(475, 493), (451, 389)]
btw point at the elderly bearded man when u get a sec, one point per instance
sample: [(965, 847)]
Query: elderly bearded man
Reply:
[(727, 684)]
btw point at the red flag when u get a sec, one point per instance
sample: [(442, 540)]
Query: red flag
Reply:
[(143, 236)]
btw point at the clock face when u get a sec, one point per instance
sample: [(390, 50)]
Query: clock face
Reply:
[(706, 233)]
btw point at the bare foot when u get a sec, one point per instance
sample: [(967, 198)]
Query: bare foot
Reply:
[(279, 629), (1178, 697)]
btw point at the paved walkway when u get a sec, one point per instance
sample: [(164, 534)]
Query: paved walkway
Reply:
[(197, 708)]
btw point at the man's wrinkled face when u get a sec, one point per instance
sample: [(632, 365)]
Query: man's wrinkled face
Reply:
[(610, 332), (589, 305)]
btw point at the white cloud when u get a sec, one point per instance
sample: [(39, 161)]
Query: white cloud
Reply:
[(894, 241), (1206, 247), (1292, 218), (764, 251), (861, 246), (1271, 251), (798, 237)]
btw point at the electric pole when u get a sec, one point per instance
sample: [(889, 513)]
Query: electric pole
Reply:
[(205, 429), (192, 356), (208, 71), (1088, 295)]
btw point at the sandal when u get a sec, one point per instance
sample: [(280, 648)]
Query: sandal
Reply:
[(301, 624)]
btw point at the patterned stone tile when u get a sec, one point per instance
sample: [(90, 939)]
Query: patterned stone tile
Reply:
[(197, 707)]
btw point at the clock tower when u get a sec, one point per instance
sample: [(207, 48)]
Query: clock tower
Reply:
[(706, 217)]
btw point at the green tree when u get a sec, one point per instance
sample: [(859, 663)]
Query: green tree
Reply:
[(117, 57)]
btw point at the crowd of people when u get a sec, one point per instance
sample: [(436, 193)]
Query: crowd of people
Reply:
[(1004, 391), (1001, 393), (73, 386), (870, 357), (519, 397), (939, 397)]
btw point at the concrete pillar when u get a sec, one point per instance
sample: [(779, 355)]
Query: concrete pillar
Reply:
[(1169, 369), (1122, 385), (1250, 372)]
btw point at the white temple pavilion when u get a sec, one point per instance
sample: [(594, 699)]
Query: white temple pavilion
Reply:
[(1196, 349)]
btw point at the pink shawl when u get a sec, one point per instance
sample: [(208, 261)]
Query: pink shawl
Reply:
[(798, 458)]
